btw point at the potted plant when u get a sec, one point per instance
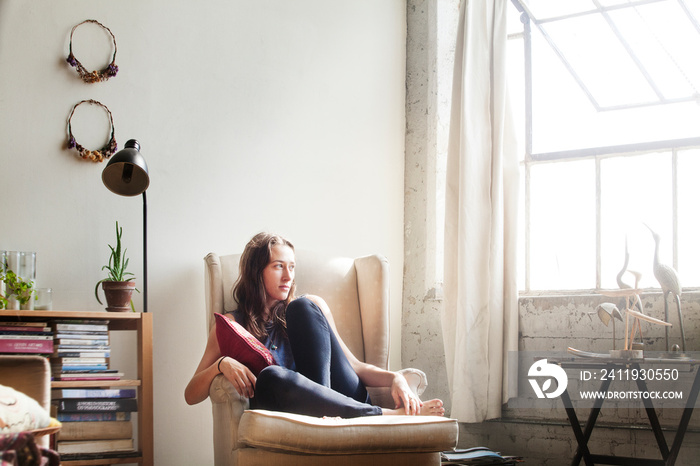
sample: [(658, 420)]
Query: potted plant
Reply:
[(18, 289), (119, 284)]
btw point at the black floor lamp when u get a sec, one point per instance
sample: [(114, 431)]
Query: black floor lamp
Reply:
[(126, 174)]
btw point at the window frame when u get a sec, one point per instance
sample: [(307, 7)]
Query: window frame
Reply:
[(672, 146)]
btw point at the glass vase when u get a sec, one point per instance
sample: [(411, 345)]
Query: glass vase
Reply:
[(12, 265), (27, 266), (27, 273)]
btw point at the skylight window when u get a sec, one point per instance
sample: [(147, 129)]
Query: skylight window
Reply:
[(622, 68)]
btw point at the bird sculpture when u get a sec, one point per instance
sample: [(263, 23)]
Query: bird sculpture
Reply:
[(637, 276), (668, 279), (622, 272), (625, 286), (607, 312)]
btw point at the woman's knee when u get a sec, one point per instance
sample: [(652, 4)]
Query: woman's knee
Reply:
[(303, 309), (271, 376), (270, 383)]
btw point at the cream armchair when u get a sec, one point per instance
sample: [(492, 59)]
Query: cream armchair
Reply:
[(357, 291)]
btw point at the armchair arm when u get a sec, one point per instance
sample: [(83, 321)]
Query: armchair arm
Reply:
[(227, 407), (417, 381)]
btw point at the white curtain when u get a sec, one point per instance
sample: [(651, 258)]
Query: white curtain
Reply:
[(480, 320)]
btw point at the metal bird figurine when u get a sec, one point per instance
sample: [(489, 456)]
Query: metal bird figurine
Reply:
[(668, 279)]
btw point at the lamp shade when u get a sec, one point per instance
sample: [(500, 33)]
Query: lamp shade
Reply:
[(126, 173)]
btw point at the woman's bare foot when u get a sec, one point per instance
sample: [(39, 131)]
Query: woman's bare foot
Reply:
[(429, 408)]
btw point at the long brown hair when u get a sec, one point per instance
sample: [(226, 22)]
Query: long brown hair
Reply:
[(249, 289)]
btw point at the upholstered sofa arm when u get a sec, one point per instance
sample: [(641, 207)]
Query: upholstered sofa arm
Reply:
[(222, 391), (227, 407)]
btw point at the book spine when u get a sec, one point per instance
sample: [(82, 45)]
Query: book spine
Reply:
[(93, 393), (97, 405), (82, 327), (24, 336), (87, 377), (17, 329), (94, 446), (81, 360), (82, 336), (94, 417), (26, 346), (81, 354), (96, 430), (83, 347), (79, 342), (79, 367), (24, 324)]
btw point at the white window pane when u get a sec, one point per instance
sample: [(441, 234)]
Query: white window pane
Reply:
[(516, 91), (590, 46), (513, 23), (553, 8), (522, 261), (562, 224), (662, 37), (694, 8), (689, 218), (635, 190), (558, 103), (666, 43)]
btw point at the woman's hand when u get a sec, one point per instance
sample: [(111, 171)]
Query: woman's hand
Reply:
[(404, 396), (239, 375)]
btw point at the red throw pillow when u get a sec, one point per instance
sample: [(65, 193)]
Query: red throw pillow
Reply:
[(239, 344)]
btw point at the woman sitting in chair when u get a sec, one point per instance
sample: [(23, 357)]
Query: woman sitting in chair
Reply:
[(316, 375)]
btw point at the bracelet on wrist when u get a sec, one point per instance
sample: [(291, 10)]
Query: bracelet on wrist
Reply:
[(218, 365)]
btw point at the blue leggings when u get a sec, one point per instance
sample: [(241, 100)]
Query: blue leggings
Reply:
[(324, 384)]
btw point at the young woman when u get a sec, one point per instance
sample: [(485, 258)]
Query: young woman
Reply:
[(316, 375)]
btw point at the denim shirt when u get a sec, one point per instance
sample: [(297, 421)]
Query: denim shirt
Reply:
[(276, 341)]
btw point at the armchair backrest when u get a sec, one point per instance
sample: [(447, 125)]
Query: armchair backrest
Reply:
[(356, 290)]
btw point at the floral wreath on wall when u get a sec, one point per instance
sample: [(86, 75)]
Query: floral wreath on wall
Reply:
[(95, 155), (93, 76)]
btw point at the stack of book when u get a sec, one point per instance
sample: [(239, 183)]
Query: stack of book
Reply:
[(94, 420), (26, 338), (82, 351)]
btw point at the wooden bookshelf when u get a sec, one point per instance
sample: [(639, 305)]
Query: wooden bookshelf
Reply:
[(142, 324)]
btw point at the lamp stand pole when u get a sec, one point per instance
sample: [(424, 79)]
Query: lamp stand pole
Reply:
[(145, 255)]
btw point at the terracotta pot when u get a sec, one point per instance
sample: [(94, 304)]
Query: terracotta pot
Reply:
[(118, 295)]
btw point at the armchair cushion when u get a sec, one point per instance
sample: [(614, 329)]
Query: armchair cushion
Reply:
[(284, 432), (238, 343)]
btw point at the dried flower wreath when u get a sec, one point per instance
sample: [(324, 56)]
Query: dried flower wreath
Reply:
[(95, 155), (93, 76)]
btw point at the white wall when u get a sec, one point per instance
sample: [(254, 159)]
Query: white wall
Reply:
[(252, 115)]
